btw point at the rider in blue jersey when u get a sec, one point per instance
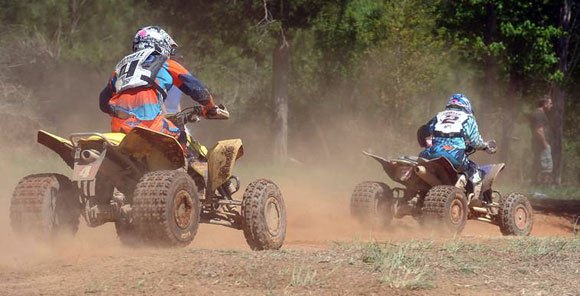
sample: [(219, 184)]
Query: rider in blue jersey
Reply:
[(452, 131)]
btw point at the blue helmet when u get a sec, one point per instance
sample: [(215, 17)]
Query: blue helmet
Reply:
[(459, 101)]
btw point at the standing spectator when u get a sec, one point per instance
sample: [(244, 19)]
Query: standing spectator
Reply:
[(541, 141)]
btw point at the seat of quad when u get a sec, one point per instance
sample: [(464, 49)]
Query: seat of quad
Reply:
[(96, 140), (112, 138), (441, 168), (410, 158)]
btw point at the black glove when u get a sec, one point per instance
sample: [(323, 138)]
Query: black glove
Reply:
[(194, 115), (491, 147)]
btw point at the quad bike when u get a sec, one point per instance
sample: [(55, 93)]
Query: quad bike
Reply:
[(144, 184), (435, 192)]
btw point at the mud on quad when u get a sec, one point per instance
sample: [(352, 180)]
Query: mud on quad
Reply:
[(430, 194), (143, 183)]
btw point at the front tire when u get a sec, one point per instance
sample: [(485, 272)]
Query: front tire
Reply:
[(263, 216), (166, 209), (447, 205), (45, 206), (372, 202), (515, 215)]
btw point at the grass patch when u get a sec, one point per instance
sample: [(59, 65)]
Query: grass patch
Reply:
[(403, 266), (564, 192), (303, 277), (532, 248), (462, 257), (455, 247), (555, 192), (94, 288)]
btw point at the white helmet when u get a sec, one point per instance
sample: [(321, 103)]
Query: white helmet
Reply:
[(156, 38)]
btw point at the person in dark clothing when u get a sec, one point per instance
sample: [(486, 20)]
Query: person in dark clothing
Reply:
[(541, 147)]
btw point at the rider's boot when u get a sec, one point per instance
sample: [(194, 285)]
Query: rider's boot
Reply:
[(461, 182), (476, 199)]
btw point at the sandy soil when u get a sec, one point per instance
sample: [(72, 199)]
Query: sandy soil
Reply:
[(318, 222)]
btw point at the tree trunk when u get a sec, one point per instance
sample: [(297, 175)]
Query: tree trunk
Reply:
[(557, 125), (491, 72), (559, 93), (280, 92), (510, 113)]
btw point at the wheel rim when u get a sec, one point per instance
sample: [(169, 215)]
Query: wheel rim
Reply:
[(456, 211), (521, 217), (272, 215), (182, 209)]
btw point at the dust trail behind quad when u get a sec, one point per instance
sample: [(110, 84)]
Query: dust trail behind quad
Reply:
[(316, 219)]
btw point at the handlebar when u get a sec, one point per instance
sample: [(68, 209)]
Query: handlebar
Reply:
[(491, 148), (193, 114)]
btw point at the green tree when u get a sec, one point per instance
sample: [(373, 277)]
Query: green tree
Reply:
[(89, 31), (568, 58), (251, 25), (382, 57), (516, 36)]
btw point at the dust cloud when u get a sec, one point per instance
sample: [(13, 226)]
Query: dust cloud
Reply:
[(325, 165)]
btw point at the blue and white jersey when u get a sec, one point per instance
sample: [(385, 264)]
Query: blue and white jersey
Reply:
[(455, 128)]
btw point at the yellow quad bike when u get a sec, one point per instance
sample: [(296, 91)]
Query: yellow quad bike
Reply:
[(144, 184)]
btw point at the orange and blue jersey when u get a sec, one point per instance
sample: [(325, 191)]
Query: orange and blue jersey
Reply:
[(143, 105)]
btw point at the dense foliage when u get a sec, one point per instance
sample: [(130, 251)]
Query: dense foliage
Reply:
[(361, 70)]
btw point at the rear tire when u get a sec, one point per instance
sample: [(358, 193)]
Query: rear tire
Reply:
[(263, 216), (515, 215), (45, 206), (372, 202), (447, 205), (166, 210)]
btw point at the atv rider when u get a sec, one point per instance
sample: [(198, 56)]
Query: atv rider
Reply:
[(452, 131), (135, 94)]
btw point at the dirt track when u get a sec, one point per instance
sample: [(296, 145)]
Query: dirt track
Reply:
[(219, 261)]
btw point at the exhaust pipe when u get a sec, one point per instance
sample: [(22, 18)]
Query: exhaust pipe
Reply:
[(90, 155), (428, 178)]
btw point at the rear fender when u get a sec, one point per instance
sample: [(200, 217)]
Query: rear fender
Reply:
[(400, 170), (161, 151), (61, 146), (221, 160), (390, 167)]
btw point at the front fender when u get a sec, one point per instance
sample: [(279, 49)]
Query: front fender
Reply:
[(491, 172), (221, 160)]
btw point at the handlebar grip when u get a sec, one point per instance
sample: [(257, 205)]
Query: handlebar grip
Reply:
[(222, 114), (219, 112)]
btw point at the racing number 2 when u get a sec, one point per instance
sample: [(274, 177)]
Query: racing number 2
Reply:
[(128, 72), (450, 119)]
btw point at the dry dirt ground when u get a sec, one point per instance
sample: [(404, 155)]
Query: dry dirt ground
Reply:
[(325, 253)]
